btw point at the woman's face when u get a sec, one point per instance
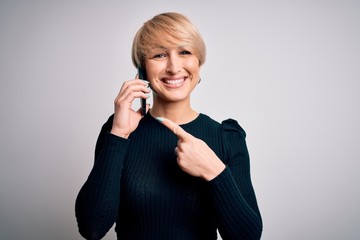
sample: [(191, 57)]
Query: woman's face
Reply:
[(172, 72)]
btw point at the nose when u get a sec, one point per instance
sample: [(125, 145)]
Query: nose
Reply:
[(173, 64)]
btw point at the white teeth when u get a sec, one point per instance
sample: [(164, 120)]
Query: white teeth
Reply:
[(174, 82)]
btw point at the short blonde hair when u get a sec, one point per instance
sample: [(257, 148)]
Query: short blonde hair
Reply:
[(167, 29)]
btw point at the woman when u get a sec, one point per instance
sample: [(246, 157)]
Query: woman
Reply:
[(173, 173)]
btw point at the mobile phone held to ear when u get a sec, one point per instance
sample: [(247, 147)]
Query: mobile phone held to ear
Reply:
[(142, 75)]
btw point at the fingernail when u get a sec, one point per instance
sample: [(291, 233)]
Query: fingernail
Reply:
[(160, 119), (147, 83)]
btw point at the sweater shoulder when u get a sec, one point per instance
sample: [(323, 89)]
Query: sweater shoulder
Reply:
[(231, 126)]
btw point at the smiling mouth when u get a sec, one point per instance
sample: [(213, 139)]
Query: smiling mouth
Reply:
[(174, 82)]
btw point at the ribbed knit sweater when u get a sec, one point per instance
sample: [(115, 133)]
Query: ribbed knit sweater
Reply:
[(137, 183)]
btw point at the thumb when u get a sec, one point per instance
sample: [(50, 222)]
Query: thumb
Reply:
[(175, 128)]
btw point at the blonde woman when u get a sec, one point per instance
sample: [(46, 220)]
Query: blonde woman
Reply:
[(173, 173)]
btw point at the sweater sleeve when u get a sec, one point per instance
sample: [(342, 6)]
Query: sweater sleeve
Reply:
[(97, 203), (232, 193)]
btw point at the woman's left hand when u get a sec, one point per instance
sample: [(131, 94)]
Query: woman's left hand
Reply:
[(194, 156)]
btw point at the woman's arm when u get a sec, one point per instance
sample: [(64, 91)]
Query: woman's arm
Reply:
[(230, 186), (232, 193), (97, 203)]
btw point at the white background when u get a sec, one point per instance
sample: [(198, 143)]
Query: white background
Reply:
[(288, 71)]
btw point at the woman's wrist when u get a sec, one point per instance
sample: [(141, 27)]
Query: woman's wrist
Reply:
[(119, 133), (214, 171)]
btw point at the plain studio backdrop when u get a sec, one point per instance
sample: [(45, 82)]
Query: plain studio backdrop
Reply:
[(288, 71)]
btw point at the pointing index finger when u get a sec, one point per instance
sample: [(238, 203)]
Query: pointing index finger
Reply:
[(175, 128)]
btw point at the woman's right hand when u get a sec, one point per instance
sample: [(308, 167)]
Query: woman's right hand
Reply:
[(126, 119)]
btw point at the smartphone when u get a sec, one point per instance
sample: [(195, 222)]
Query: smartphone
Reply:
[(142, 75)]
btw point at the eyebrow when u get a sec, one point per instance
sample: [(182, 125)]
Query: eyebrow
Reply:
[(165, 48)]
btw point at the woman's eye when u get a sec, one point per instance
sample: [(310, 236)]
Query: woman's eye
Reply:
[(185, 52), (160, 55)]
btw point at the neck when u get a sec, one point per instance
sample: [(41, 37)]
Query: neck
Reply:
[(178, 112)]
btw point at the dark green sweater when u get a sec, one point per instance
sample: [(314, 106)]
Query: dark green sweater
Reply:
[(137, 183)]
